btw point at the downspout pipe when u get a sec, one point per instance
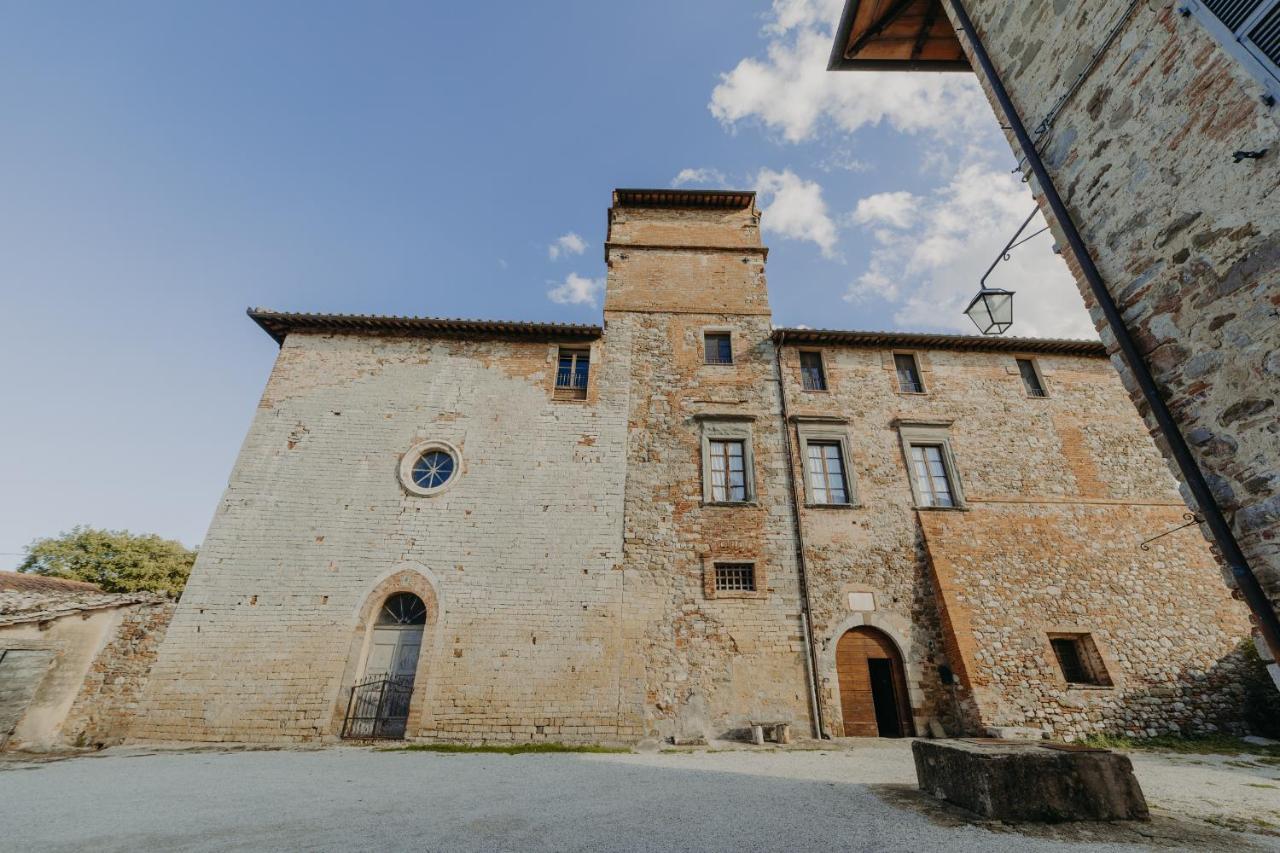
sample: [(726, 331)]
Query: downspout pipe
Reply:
[(1223, 537), (806, 607)]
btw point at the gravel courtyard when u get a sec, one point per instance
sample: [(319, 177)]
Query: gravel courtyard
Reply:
[(858, 798)]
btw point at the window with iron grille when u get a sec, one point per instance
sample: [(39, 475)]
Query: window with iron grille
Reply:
[(1079, 660), (933, 481), (1249, 29), (827, 484), (1031, 378), (908, 373), (735, 577), (573, 373), (718, 347), (811, 371), (728, 470)]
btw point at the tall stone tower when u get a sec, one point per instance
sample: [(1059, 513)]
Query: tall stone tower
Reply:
[(707, 487)]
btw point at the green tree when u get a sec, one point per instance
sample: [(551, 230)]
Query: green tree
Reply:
[(116, 560)]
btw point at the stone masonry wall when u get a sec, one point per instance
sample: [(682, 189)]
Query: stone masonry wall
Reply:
[(1186, 239), (712, 661), (520, 554), (1030, 468), (109, 699)]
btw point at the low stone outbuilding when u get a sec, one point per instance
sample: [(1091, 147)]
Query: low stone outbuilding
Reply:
[(73, 660)]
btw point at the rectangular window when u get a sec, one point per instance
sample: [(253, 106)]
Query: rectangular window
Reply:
[(827, 484), (718, 347), (735, 577), (728, 471), (908, 373), (811, 371), (1079, 660), (1031, 378), (933, 484), (572, 374), (1250, 32)]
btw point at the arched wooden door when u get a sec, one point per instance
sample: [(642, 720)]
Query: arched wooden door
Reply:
[(873, 687)]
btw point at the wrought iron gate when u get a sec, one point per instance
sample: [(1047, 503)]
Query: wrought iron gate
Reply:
[(379, 707)]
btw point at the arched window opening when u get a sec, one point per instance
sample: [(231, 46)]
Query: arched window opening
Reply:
[(403, 608)]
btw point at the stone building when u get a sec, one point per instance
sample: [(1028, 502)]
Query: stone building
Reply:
[(73, 660), (686, 520), (1156, 124)]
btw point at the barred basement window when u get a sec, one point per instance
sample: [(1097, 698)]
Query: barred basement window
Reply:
[(1249, 30), (572, 374), (1031, 378), (908, 371), (1079, 660), (735, 577), (811, 371), (718, 347)]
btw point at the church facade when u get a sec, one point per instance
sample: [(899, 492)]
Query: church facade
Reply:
[(684, 521)]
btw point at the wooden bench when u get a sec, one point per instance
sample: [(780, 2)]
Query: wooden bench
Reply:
[(778, 732)]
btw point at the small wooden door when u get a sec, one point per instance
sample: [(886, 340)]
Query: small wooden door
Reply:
[(873, 686)]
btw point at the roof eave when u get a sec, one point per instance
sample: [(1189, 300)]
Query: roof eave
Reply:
[(279, 325), (925, 340)]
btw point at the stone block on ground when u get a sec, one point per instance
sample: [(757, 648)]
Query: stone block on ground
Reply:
[(1030, 782)]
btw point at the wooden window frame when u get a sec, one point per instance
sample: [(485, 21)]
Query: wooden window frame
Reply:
[(919, 371), (826, 433), (931, 435), (727, 428), (1089, 656), (822, 371), (717, 333), (570, 392)]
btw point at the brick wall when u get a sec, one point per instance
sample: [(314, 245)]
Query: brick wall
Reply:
[(1186, 239)]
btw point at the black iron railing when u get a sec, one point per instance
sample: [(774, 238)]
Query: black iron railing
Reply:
[(378, 707)]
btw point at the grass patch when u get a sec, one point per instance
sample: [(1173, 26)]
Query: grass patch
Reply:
[(505, 749), (1196, 745)]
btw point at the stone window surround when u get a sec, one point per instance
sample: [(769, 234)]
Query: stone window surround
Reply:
[(822, 362), (731, 427), (733, 346), (897, 383), (414, 453), (709, 577), (1052, 632), (826, 429), (938, 433), (594, 354), (1035, 365)]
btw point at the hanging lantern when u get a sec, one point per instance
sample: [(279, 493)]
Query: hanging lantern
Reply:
[(992, 310)]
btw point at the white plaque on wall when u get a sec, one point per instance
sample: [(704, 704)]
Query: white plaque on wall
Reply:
[(862, 601)]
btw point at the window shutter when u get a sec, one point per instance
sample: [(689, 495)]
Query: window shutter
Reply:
[(1265, 35), (1233, 13)]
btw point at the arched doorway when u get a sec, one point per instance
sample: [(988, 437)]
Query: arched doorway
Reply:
[(379, 705), (873, 687)]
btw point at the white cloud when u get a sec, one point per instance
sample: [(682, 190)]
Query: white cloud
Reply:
[(791, 90), (576, 290), (897, 209), (698, 176), (931, 250), (569, 244), (794, 208)]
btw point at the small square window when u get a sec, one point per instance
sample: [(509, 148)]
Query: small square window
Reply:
[(572, 374), (718, 347), (811, 371), (728, 470), (908, 371), (1079, 660), (933, 481), (1031, 378), (735, 577)]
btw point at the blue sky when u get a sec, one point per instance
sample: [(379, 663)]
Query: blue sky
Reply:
[(166, 165)]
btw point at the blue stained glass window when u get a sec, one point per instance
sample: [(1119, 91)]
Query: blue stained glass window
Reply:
[(433, 470)]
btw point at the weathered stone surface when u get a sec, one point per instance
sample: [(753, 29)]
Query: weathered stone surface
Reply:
[(1030, 782), (1186, 238)]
